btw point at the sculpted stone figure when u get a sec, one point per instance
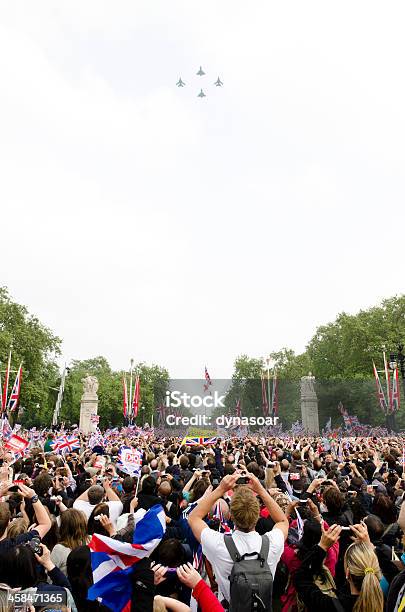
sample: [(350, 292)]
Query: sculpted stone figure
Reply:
[(90, 385)]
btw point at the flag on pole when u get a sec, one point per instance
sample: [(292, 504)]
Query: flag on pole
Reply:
[(238, 409), (6, 379), (135, 403), (388, 382), (265, 405), (395, 391), (1, 394), (380, 391), (208, 380), (15, 393), (112, 561), (274, 397), (125, 402)]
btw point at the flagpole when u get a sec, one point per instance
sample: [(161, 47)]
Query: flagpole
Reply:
[(130, 392), (6, 379)]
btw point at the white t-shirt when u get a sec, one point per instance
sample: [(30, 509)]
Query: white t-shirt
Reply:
[(85, 506), (214, 549)]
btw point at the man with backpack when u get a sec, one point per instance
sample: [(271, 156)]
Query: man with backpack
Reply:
[(244, 563)]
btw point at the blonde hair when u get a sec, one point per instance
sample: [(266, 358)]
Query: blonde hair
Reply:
[(158, 604), (245, 509), (361, 564), (17, 527)]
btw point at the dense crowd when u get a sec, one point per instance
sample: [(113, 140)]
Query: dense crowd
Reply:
[(256, 523)]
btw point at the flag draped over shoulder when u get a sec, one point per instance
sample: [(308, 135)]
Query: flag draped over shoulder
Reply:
[(112, 560)]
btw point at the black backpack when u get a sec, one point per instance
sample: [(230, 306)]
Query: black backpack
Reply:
[(251, 579)]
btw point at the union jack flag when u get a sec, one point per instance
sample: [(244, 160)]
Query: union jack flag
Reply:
[(5, 428), (112, 561), (395, 391), (66, 443), (198, 440), (208, 380), (15, 393), (135, 403), (95, 418), (350, 421)]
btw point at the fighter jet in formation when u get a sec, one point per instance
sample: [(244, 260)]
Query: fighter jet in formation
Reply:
[(201, 72), (180, 83), (201, 94), (218, 82)]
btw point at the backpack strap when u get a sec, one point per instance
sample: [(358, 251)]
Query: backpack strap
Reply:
[(231, 548), (264, 551)]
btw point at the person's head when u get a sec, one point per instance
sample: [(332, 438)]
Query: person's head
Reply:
[(317, 464), (42, 483), (171, 553), (73, 528), (80, 574), (184, 462), (284, 464), (363, 574), (95, 494), (384, 508), (375, 527), (18, 567), (311, 535), (199, 489), (165, 488), (149, 485), (333, 500), (5, 517), (128, 484), (245, 509), (94, 525), (17, 527)]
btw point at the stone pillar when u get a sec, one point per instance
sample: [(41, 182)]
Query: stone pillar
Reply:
[(309, 404), (88, 404)]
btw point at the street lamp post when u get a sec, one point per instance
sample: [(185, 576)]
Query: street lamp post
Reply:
[(268, 364), (143, 415)]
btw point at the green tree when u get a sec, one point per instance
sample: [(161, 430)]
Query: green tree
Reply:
[(36, 347), (153, 385)]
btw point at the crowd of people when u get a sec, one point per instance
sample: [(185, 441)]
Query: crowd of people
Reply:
[(260, 523)]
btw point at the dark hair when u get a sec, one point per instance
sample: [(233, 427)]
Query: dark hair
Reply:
[(149, 485), (42, 484), (128, 484), (171, 553), (81, 579), (94, 526), (333, 500), (18, 567), (384, 508), (375, 527), (311, 536)]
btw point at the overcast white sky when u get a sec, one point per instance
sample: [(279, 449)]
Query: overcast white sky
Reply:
[(139, 220)]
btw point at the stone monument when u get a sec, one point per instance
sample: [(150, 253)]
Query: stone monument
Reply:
[(88, 404), (309, 404)]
